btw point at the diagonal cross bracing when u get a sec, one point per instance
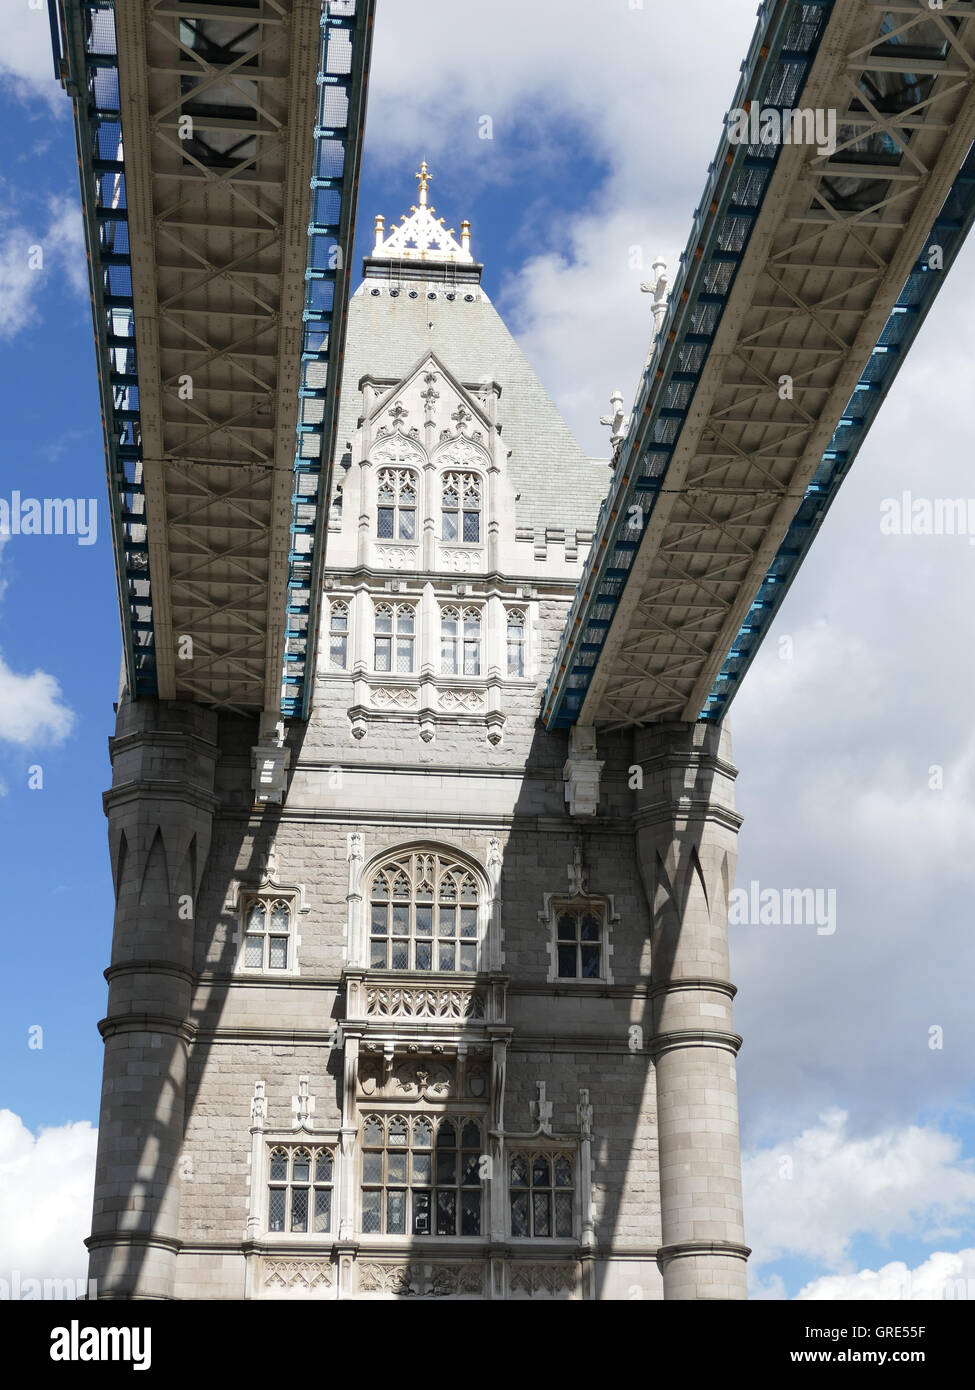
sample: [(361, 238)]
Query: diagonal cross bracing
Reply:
[(806, 277), (219, 297)]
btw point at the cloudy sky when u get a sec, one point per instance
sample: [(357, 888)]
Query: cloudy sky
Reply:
[(857, 755)]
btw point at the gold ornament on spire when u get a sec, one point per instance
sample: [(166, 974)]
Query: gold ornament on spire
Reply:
[(424, 177)]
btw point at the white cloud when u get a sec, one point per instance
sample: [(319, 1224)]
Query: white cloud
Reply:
[(25, 57), (31, 708), (46, 1184), (941, 1276), (27, 258), (810, 1198)]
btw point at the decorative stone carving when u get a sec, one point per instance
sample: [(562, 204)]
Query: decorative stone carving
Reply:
[(461, 561), (416, 1080), (397, 448), (397, 1280), (395, 1001), (546, 1281), (462, 453), (258, 1106), (298, 1276), (461, 701), (422, 1280), (397, 557), (383, 697)]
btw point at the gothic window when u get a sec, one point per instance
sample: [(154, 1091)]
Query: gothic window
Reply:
[(394, 637), (267, 933), (423, 915), (541, 1193), (517, 631), (579, 941), (299, 1189), (421, 1176), (396, 515), (338, 636), (460, 642), (461, 507)]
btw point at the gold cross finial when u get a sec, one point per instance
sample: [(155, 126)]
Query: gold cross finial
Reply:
[(424, 177)]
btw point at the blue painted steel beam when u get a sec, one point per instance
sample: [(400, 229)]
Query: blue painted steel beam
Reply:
[(85, 58), (949, 231), (781, 53)]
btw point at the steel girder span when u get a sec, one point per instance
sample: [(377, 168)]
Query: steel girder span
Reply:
[(219, 293), (806, 277)]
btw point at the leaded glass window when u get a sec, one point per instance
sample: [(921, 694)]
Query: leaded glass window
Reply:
[(397, 490), (424, 911), (541, 1191), (267, 933), (579, 942), (421, 1175), (395, 636), (460, 642), (461, 507), (338, 636), (516, 642), (299, 1189)]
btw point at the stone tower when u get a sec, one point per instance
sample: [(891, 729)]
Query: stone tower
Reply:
[(417, 999)]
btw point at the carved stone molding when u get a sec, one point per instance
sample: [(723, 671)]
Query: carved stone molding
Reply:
[(397, 557), (386, 1001), (298, 1276), (395, 697), (460, 561), (463, 701), (544, 1280), (422, 1280)]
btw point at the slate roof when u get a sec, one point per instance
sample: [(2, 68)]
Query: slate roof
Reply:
[(559, 485)]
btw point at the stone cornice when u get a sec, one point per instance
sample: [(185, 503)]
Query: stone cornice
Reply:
[(158, 789), (699, 982), (680, 1038)]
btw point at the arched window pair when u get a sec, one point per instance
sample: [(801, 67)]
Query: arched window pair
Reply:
[(461, 502), (423, 915)]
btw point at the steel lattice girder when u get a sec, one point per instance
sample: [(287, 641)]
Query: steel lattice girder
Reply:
[(798, 265), (217, 119)]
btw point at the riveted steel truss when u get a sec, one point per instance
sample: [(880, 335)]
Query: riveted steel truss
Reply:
[(218, 117), (807, 274)]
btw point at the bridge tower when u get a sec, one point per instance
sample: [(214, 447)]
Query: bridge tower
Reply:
[(415, 997)]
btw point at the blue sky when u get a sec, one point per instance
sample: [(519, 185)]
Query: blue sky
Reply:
[(589, 159)]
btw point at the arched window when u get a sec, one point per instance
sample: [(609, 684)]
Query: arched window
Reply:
[(338, 636), (460, 642), (461, 507), (394, 637), (421, 1176), (541, 1194), (396, 515), (299, 1190), (267, 934), (423, 915), (516, 642)]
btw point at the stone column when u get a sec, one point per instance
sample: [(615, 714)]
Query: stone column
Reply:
[(160, 814), (686, 833)]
